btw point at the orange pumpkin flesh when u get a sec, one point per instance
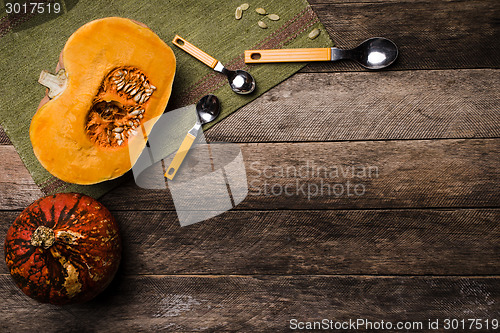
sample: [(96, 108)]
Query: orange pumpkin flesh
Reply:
[(119, 76)]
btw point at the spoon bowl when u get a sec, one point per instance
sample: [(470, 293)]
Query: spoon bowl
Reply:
[(375, 53), (241, 82), (208, 108)]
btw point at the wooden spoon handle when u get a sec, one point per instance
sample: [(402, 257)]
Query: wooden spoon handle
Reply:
[(194, 51), (288, 55)]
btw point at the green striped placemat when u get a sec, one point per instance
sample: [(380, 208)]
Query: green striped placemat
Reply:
[(30, 43)]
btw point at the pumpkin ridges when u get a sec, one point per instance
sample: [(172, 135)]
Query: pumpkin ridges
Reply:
[(41, 287), (69, 270), (65, 213)]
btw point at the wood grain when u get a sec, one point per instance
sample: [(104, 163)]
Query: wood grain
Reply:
[(429, 34), (405, 174), (370, 106), (395, 242), (253, 303), (4, 139), (17, 188)]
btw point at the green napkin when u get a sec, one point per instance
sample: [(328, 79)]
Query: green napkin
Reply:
[(31, 42)]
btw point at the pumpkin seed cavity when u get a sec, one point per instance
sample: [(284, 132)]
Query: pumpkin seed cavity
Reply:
[(110, 123)]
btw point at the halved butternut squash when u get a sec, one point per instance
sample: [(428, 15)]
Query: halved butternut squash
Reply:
[(114, 75)]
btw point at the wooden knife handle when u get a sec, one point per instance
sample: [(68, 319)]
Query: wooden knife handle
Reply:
[(288, 55), (194, 51)]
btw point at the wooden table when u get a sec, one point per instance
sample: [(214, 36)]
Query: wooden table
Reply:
[(420, 243)]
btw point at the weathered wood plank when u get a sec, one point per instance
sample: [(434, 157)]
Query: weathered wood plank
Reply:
[(430, 34), (408, 242), (370, 106), (4, 139), (17, 188), (354, 175), (255, 303), (333, 175)]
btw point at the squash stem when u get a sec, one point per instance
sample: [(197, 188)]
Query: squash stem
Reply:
[(55, 83), (43, 236)]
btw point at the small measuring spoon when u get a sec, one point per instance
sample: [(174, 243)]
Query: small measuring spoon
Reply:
[(207, 109), (241, 82), (373, 53)]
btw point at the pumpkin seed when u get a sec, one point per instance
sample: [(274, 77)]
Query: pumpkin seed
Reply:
[(273, 17), (119, 142), (128, 87), (137, 97), (261, 11), (135, 112), (244, 6), (238, 13), (261, 24), (153, 87), (133, 92), (314, 33), (118, 129), (141, 116), (120, 86)]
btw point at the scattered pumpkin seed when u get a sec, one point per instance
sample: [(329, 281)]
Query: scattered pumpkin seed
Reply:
[(273, 17), (238, 13), (314, 33), (261, 24), (244, 6), (261, 11)]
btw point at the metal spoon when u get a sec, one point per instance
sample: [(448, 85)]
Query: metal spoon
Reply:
[(207, 109), (373, 53), (241, 82)]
